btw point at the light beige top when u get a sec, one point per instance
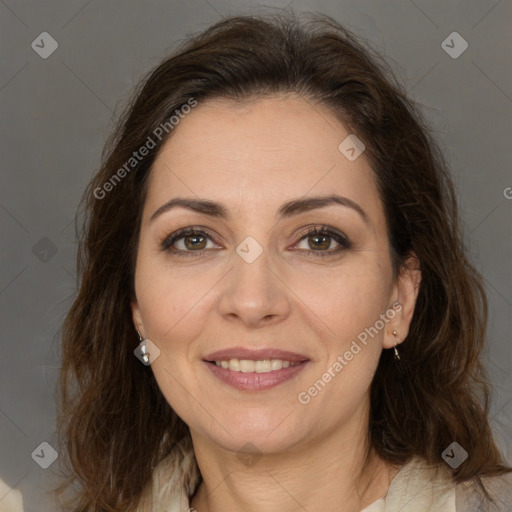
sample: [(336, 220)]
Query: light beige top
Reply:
[(417, 487), (11, 500)]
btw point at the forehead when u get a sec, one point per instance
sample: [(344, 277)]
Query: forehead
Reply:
[(258, 154)]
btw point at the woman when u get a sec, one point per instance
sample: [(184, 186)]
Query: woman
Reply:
[(276, 311)]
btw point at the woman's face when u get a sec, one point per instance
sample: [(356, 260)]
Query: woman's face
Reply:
[(255, 285)]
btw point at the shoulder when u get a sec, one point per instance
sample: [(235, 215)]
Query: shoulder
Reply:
[(432, 485), (421, 486), (173, 480), (470, 495), (11, 500)]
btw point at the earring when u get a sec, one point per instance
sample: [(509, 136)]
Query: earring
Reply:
[(397, 356), (143, 349)]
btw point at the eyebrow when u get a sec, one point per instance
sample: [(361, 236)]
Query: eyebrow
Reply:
[(286, 210)]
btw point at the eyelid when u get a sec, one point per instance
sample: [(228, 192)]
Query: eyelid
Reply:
[(321, 229), (338, 236), (170, 239)]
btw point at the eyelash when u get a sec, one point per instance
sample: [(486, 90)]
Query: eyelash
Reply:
[(344, 242)]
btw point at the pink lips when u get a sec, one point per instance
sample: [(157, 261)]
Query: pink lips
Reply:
[(253, 381)]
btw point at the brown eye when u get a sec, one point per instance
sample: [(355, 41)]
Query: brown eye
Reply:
[(194, 242), (187, 242), (319, 240)]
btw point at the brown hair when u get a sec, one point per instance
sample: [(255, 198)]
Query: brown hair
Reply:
[(114, 424)]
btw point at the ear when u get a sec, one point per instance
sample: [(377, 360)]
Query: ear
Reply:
[(137, 316), (405, 293)]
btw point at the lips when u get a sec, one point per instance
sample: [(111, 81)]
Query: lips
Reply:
[(254, 381), (255, 355), (260, 377)]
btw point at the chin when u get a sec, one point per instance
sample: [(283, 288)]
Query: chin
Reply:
[(266, 434), (247, 443)]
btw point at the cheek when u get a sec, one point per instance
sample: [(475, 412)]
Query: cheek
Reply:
[(171, 302), (173, 310), (174, 319), (346, 299)]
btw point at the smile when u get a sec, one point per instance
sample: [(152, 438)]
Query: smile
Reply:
[(261, 366), (259, 375)]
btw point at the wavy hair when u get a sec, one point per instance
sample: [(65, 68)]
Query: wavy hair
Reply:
[(114, 423)]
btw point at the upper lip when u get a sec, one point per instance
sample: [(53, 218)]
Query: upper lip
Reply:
[(255, 355)]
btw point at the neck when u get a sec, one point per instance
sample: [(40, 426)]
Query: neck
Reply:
[(327, 474)]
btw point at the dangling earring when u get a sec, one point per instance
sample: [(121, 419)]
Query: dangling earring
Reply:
[(397, 356), (143, 349)]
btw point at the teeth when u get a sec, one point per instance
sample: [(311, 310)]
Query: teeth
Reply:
[(276, 364), (262, 366), (248, 365)]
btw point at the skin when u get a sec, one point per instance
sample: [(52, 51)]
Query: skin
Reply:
[(252, 157)]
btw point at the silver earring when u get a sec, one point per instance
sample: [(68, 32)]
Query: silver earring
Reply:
[(143, 349), (397, 356)]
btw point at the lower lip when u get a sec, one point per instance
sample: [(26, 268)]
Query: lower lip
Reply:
[(253, 381)]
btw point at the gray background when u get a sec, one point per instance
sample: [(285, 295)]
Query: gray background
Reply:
[(57, 112)]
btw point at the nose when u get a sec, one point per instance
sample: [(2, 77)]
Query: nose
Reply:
[(253, 293)]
